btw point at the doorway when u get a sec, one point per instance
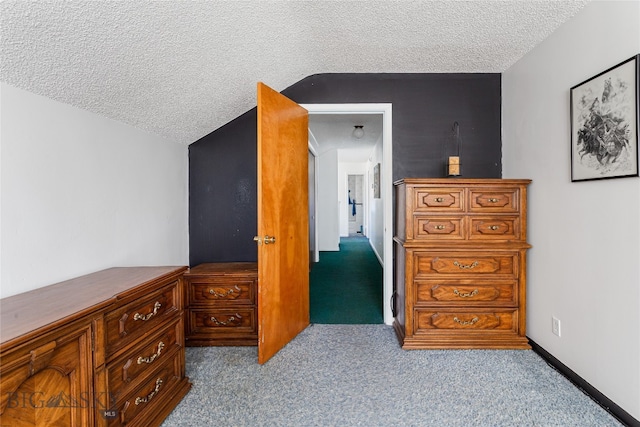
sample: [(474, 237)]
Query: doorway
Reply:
[(381, 244), (345, 287), (355, 211)]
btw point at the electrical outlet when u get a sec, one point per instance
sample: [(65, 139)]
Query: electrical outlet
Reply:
[(555, 325)]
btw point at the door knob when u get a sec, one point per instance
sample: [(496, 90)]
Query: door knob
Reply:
[(266, 239)]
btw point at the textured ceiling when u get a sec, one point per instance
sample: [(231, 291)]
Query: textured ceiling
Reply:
[(182, 69), (335, 131)]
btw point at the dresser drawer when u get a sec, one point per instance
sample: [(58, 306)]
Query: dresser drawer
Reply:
[(130, 368), (466, 292), (155, 390), (139, 317), (222, 321), (469, 320), (438, 228), (494, 228), (438, 199), (465, 263), (222, 292), (494, 200)]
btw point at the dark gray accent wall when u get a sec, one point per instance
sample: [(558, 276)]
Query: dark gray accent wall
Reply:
[(222, 193), (222, 165)]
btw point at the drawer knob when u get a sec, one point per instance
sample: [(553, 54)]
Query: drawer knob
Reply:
[(494, 227), (493, 200), (439, 199), (466, 294), (466, 322), (461, 266), (148, 398), (439, 227), (153, 357), (145, 317)]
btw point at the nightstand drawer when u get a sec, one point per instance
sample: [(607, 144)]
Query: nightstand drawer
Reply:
[(138, 318), (222, 291), (466, 292), (222, 322), (465, 263)]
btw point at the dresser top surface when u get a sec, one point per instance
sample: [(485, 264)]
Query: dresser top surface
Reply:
[(29, 311), (223, 269), (462, 181)]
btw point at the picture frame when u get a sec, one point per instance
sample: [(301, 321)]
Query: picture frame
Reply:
[(604, 124), (376, 181)]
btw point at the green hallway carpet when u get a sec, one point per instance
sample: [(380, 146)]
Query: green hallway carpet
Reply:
[(345, 287)]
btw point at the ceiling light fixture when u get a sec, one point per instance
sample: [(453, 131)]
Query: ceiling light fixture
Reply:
[(358, 132)]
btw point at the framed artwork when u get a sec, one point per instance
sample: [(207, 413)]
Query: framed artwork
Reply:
[(604, 124), (376, 181)]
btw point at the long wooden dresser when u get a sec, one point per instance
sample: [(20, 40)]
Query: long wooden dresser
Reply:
[(105, 349), (222, 304), (460, 263)]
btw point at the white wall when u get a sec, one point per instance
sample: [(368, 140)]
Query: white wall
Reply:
[(376, 206), (583, 267), (81, 192), (328, 206)]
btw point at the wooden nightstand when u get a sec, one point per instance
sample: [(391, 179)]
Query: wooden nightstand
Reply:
[(221, 301)]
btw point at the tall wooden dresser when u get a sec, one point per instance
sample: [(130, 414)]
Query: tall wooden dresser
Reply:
[(105, 349), (460, 263)]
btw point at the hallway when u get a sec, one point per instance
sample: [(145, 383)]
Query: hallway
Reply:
[(346, 286)]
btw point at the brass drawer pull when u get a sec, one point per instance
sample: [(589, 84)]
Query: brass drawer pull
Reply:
[(145, 317), (494, 227), (493, 200), (439, 199), (466, 266), (439, 227), (466, 294), (155, 391), (153, 357), (466, 322), (225, 294), (230, 321)]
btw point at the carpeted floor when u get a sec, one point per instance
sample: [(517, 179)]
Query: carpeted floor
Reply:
[(345, 287), (357, 375)]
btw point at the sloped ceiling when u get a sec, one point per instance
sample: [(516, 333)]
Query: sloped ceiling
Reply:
[(181, 69)]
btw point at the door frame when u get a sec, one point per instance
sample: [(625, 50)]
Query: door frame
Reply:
[(386, 190), (312, 149), (363, 200)]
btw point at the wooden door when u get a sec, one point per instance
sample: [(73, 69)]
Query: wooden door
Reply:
[(283, 226)]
